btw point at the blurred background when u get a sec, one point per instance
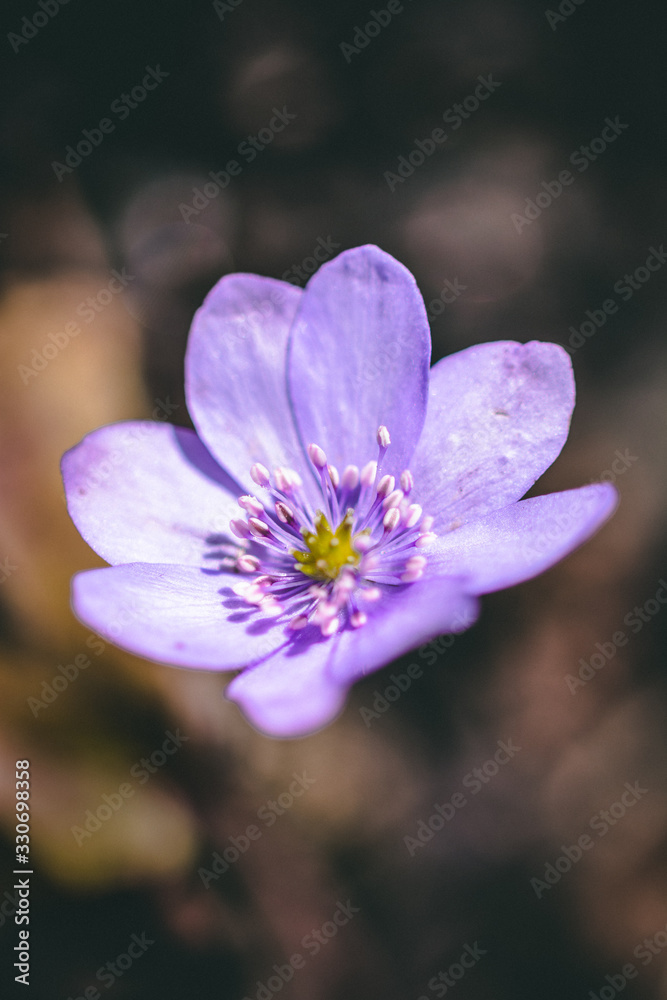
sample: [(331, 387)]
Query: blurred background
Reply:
[(117, 231)]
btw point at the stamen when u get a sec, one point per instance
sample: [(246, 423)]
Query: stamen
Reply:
[(251, 505), (260, 474), (240, 528), (368, 474), (287, 480), (247, 564), (329, 627), (285, 513), (393, 500), (391, 519), (318, 562), (414, 513), (317, 456), (258, 528), (383, 438), (386, 486), (406, 481), (350, 478)]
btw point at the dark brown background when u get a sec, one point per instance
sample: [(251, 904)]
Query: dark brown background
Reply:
[(506, 678)]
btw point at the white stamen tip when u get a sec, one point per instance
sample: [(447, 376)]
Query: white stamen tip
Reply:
[(406, 481), (383, 438), (362, 543), (239, 528), (386, 486), (415, 562), (317, 456), (258, 528), (284, 513), (287, 479), (391, 519), (370, 593), (368, 473), (259, 474), (298, 622), (333, 475), (358, 619), (426, 524), (414, 513), (251, 505), (425, 539), (329, 627), (247, 564), (393, 500), (271, 607), (350, 477)]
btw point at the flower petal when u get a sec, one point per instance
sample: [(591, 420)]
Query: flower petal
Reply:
[(235, 375), (498, 416), (175, 614), (358, 357), (403, 618), (511, 545), (302, 686), (291, 693), (147, 492)]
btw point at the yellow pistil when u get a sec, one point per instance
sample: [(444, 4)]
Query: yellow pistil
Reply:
[(328, 552)]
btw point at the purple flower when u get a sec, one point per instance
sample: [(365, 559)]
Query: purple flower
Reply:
[(340, 503)]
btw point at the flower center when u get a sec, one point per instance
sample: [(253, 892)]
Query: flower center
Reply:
[(298, 565), (328, 551)]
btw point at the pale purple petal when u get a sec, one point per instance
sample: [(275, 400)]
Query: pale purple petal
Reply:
[(358, 358), (148, 492), (291, 693), (498, 415), (402, 619), (175, 614), (302, 686), (235, 375), (516, 543)]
